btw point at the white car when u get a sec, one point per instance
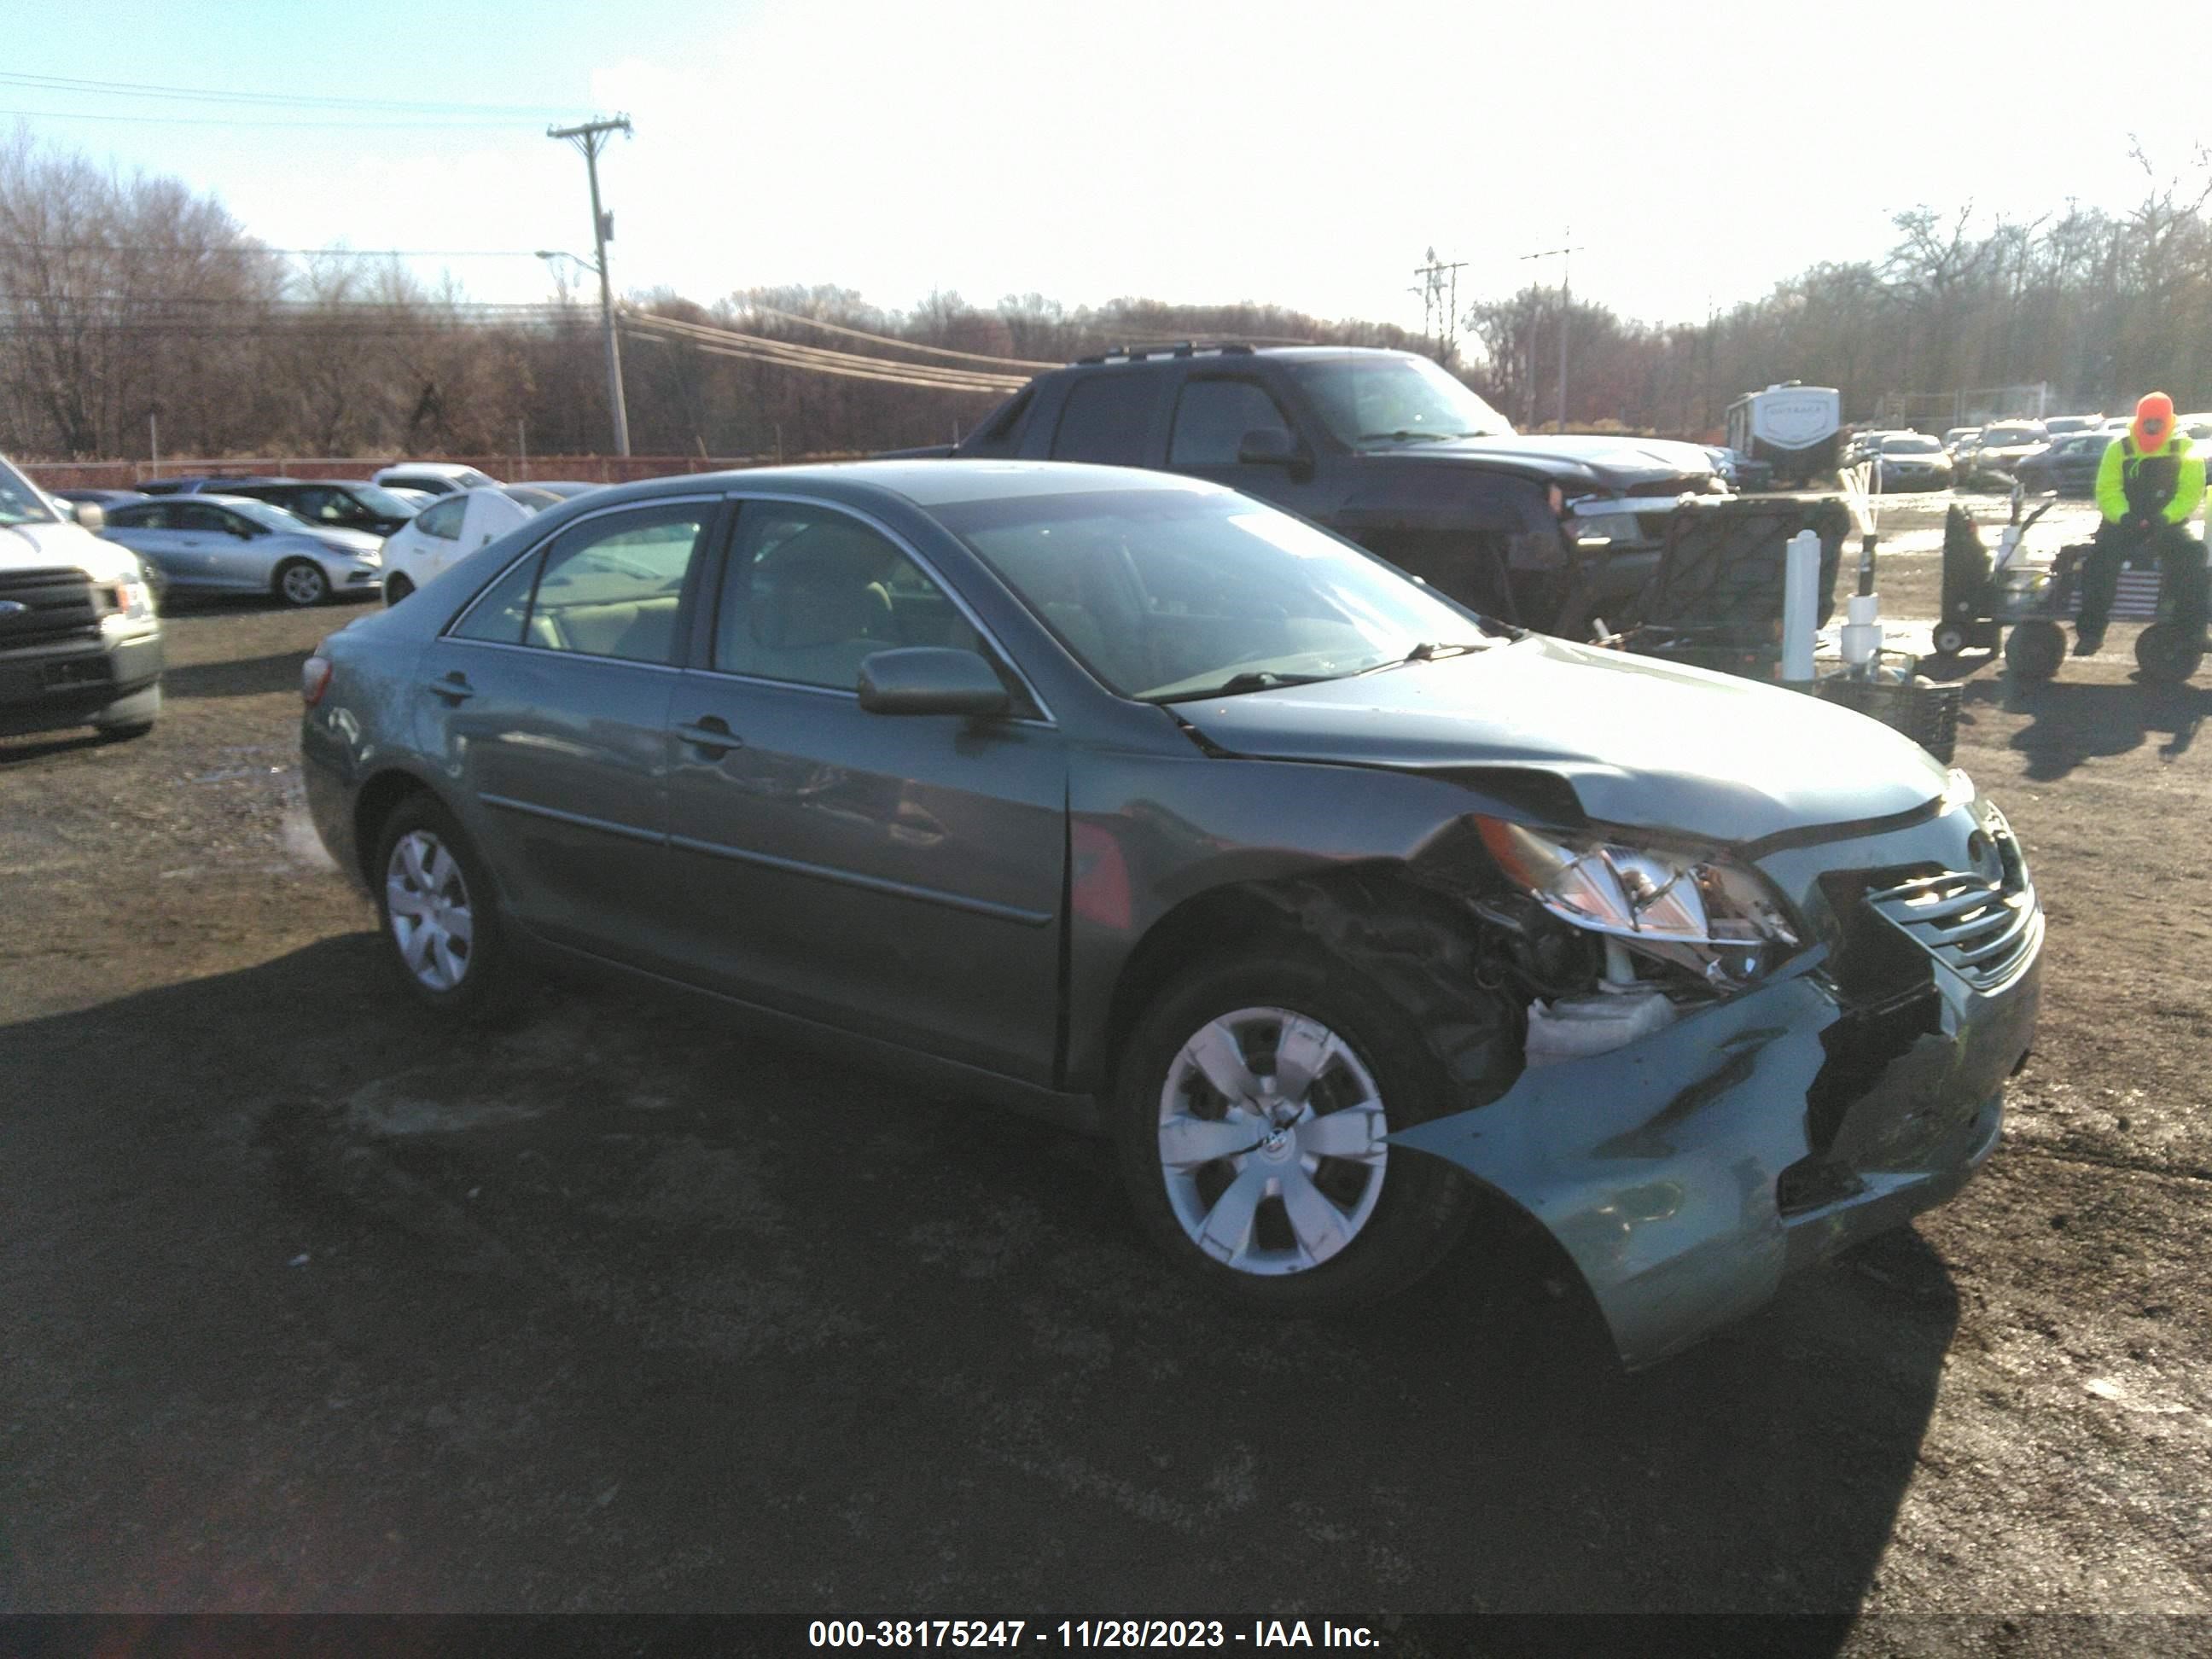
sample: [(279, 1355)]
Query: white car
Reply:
[(455, 526), (433, 478)]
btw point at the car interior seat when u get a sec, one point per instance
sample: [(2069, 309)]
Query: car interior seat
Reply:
[(817, 606)]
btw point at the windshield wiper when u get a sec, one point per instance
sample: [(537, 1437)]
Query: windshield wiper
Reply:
[(1406, 435), (1429, 650), (1252, 679)]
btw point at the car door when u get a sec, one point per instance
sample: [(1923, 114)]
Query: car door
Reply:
[(898, 875), (435, 537), (200, 542), (548, 700), (238, 549)]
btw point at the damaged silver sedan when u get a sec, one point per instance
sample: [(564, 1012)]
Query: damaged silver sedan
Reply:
[(1130, 799)]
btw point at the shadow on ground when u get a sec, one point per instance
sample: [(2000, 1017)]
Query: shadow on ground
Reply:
[(2071, 721), (251, 676), (621, 1307)]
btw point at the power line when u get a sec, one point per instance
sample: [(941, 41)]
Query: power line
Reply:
[(893, 340), (446, 125), (76, 86), (295, 252), (745, 356), (760, 344)]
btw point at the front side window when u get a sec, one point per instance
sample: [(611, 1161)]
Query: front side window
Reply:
[(208, 520), (1164, 594), (1212, 418), (1107, 419), (809, 594), (443, 520)]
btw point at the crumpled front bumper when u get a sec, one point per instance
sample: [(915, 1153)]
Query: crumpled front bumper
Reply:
[(1687, 1173)]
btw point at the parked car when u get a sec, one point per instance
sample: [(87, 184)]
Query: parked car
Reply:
[(345, 503), (2068, 467), (433, 477), (193, 483), (231, 545), (2060, 426), (1913, 460), (1738, 470), (2001, 446), (102, 499), (459, 524), (1140, 802), (1864, 445), (1958, 437), (79, 640), (1386, 447)]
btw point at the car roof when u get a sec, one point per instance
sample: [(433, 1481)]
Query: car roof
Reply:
[(922, 483), (434, 469)]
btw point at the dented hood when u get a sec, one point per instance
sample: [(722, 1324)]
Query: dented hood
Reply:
[(1644, 743)]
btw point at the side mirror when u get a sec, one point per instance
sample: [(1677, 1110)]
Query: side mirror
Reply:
[(90, 514), (929, 679), (1267, 446)]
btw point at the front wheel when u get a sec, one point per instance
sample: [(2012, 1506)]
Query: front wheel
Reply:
[(301, 582), (396, 588), (439, 914), (2034, 650), (1252, 1116), (1949, 639)]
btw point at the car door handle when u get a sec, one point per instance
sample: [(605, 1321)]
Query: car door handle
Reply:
[(712, 734), (454, 686)]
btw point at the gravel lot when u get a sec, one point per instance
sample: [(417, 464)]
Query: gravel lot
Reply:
[(624, 1306)]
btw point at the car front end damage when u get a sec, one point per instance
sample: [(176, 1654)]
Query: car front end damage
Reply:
[(1826, 1062)]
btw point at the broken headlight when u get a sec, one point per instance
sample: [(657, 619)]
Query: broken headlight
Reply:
[(1699, 910)]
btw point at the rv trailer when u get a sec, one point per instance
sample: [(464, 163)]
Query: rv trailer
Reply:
[(1791, 426)]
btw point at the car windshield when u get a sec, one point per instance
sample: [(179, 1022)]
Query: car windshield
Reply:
[(1914, 445), (1170, 594), (2011, 434), (1389, 398), (19, 502)]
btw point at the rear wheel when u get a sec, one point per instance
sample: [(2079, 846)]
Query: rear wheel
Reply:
[(2034, 650), (1252, 1118), (439, 914), (301, 582), (2164, 653)]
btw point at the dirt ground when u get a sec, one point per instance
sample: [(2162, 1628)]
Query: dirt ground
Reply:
[(312, 1306)]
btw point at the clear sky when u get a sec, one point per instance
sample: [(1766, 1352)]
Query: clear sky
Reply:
[(1190, 151)]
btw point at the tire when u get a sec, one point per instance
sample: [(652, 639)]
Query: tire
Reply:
[(300, 582), (2034, 650), (1948, 639), (1321, 1231), (130, 717), (396, 588), (2164, 655), (477, 979)]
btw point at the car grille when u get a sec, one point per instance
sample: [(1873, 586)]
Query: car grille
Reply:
[(1976, 926), (56, 608)]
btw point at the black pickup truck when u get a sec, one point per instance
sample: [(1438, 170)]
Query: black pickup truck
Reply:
[(1384, 448)]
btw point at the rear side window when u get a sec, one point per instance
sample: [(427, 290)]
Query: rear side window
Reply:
[(1213, 418), (1107, 419), (498, 617)]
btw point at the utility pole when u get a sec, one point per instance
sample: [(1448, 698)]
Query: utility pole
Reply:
[(1565, 256), (1441, 301), (591, 138)]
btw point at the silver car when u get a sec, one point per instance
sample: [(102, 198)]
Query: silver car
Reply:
[(228, 545)]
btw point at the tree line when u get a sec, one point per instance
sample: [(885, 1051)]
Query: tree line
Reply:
[(135, 312)]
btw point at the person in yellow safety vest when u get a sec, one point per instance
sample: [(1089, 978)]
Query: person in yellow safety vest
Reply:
[(2147, 486)]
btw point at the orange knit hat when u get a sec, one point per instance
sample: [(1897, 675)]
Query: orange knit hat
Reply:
[(2153, 422)]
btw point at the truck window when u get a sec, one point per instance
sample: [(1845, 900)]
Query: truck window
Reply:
[(1212, 417), (1107, 419)]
